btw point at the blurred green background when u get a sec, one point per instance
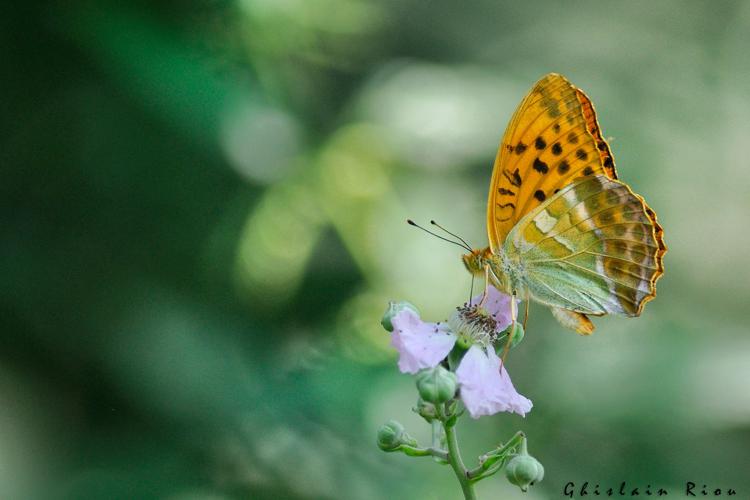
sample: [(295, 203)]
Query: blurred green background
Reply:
[(203, 219)]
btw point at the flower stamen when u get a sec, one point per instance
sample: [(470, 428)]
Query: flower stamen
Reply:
[(474, 323)]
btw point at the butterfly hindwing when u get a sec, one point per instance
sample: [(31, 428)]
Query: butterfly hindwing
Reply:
[(578, 322), (593, 248), (552, 140)]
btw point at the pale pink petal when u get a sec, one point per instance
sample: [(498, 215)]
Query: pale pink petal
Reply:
[(485, 388), (420, 345), (498, 305)]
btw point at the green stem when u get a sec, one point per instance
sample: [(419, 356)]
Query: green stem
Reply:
[(438, 441), (415, 451), (495, 459), (454, 458)]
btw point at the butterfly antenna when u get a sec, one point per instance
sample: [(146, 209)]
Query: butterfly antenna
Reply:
[(452, 234), (464, 245), (471, 289)]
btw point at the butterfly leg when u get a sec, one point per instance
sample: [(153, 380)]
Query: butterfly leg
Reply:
[(486, 284), (513, 314), (526, 314)]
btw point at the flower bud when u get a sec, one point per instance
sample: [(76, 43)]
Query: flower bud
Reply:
[(451, 413), (436, 385), (524, 471), (390, 436), (503, 338), (426, 410), (393, 309)]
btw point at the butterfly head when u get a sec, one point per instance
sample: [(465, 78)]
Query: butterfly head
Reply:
[(477, 260), (500, 273)]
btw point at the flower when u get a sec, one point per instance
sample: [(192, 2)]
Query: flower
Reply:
[(498, 305), (420, 345), (393, 309), (485, 386), (482, 324)]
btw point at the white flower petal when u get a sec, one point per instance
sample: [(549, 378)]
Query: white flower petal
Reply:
[(486, 389), (420, 345)]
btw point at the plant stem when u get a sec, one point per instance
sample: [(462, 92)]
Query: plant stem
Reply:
[(454, 458), (415, 451), (496, 458), (438, 441)]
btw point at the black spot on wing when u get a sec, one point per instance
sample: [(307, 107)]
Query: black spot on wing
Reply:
[(514, 178), (540, 143), (563, 167), (556, 149), (505, 191), (540, 166), (520, 148), (539, 195)]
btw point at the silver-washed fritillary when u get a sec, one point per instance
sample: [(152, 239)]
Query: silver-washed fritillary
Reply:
[(563, 231)]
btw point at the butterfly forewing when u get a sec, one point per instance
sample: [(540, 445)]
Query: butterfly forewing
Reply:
[(594, 247), (552, 140)]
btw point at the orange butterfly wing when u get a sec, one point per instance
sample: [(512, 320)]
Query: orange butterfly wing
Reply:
[(552, 140)]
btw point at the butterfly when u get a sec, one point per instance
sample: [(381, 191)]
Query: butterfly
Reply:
[(563, 230)]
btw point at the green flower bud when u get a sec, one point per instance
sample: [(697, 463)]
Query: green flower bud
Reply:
[(524, 471), (451, 413), (426, 410), (436, 385), (390, 436), (503, 338), (393, 309)]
